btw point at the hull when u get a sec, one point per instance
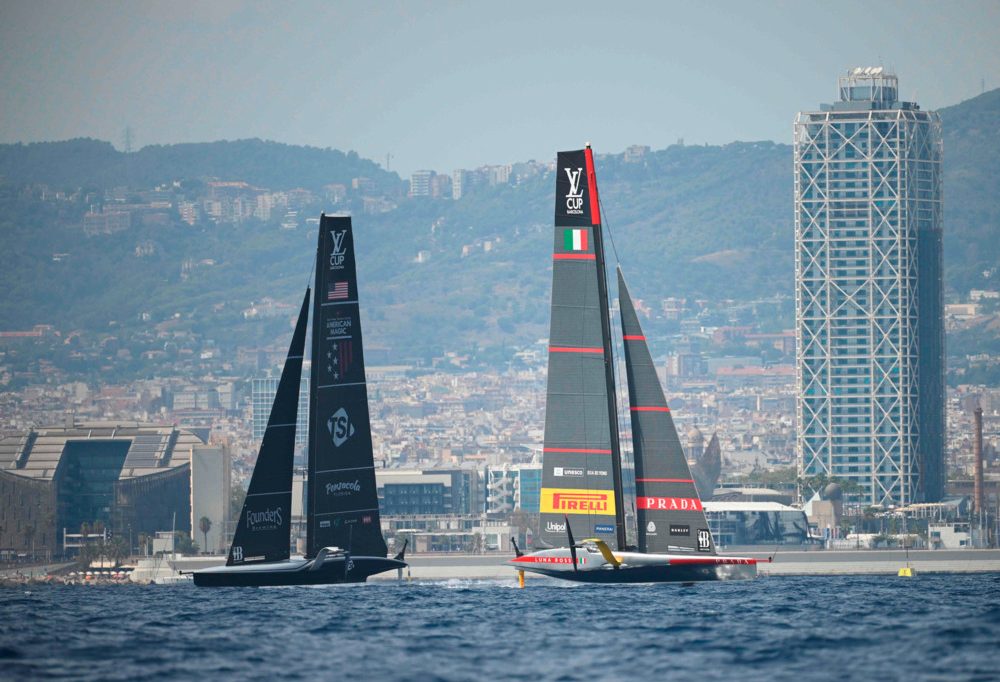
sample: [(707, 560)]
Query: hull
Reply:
[(332, 571), (635, 567)]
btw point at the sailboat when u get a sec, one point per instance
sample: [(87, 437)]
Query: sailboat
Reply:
[(344, 542), (582, 463)]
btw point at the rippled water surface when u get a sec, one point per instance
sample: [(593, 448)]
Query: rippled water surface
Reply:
[(931, 627)]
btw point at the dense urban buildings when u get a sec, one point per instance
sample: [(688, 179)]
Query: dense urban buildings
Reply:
[(869, 309)]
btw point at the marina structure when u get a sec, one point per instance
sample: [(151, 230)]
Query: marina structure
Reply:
[(868, 288)]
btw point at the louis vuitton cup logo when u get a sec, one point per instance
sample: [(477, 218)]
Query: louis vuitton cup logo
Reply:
[(574, 198), (340, 427), (339, 251)]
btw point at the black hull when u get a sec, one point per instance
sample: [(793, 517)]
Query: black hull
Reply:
[(332, 572), (644, 574)]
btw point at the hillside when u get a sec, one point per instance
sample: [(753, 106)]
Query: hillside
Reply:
[(92, 163), (690, 221)]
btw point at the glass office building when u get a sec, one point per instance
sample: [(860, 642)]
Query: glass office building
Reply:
[(262, 392), (869, 309)]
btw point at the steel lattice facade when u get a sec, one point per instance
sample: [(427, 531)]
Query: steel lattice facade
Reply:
[(869, 308)]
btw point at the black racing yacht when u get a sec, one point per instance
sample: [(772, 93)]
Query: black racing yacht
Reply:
[(344, 535)]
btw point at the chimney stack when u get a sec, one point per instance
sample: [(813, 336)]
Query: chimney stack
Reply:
[(977, 456)]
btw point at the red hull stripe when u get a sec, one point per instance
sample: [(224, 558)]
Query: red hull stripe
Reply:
[(585, 451), (595, 205), (650, 409), (664, 480), (574, 256), (715, 562), (634, 338), (566, 349)]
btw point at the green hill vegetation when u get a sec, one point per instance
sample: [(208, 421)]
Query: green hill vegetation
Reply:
[(710, 222)]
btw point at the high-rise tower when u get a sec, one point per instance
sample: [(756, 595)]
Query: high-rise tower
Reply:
[(868, 290)]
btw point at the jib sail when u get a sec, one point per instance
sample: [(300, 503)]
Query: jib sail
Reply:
[(264, 527), (668, 508)]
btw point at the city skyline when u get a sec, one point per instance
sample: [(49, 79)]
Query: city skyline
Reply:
[(183, 74)]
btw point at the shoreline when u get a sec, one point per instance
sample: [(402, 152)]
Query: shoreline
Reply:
[(493, 566)]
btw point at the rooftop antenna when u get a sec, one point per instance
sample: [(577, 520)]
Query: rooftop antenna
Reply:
[(388, 158), (127, 144)]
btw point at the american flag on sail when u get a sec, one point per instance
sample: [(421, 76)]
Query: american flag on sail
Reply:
[(337, 291)]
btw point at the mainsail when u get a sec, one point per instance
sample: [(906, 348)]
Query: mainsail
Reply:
[(264, 526), (343, 500), (581, 477), (668, 509)]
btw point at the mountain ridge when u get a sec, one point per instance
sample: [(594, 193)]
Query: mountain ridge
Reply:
[(695, 221)]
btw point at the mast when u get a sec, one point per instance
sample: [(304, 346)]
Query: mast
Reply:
[(343, 500), (264, 527), (581, 471), (609, 365)]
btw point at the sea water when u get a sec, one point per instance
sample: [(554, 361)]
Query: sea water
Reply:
[(931, 627)]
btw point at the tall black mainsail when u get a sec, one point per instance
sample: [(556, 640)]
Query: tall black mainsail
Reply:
[(581, 476), (342, 500), (668, 508), (264, 526)]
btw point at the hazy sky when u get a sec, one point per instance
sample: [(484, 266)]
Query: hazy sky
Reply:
[(447, 85)]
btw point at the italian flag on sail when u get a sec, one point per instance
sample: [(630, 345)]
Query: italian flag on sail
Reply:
[(575, 240)]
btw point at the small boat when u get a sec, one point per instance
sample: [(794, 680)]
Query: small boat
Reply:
[(343, 533), (582, 465)]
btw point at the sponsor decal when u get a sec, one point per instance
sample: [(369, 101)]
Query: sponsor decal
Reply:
[(550, 559), (676, 529), (704, 540), (651, 527), (324, 524), (553, 527), (577, 501), (603, 528), (268, 519), (575, 239), (597, 472), (671, 503), (343, 488), (237, 554), (564, 471), (339, 327), (338, 252), (340, 427), (366, 519), (336, 291), (574, 198)]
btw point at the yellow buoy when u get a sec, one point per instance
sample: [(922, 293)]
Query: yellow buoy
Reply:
[(520, 578), (905, 572)]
